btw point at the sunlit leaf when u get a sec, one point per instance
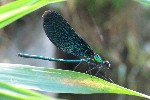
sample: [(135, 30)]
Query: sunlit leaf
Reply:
[(19, 8), (58, 81), (9, 92)]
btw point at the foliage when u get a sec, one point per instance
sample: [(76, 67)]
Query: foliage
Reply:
[(58, 81), (17, 9)]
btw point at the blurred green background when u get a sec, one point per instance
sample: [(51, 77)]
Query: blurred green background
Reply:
[(118, 30)]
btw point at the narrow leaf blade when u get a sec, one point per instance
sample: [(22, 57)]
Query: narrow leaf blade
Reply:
[(59, 81), (9, 92), (17, 9)]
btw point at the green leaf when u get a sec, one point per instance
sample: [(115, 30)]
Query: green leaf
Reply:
[(9, 92), (17, 9), (59, 81)]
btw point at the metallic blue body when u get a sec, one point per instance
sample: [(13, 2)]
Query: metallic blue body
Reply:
[(52, 59)]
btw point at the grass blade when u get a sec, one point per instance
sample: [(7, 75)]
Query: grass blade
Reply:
[(9, 92), (59, 81), (17, 9)]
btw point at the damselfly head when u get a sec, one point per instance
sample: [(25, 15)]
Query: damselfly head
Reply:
[(106, 64)]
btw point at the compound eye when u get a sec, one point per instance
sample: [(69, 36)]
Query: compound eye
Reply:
[(107, 64)]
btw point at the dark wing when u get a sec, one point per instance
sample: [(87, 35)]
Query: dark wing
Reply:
[(62, 35)]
